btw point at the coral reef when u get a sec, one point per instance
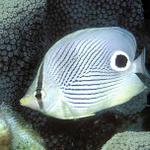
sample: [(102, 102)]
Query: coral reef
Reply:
[(129, 140), (15, 134), (27, 29), (5, 138)]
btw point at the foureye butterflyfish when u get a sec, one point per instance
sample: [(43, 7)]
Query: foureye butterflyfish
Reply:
[(85, 72)]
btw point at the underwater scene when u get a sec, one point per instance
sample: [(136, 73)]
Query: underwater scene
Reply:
[(74, 75)]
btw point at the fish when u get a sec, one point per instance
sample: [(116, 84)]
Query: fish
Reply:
[(85, 72)]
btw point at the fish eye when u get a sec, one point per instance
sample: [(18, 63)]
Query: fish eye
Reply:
[(39, 94), (120, 61)]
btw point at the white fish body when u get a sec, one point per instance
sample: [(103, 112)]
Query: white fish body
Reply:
[(79, 75)]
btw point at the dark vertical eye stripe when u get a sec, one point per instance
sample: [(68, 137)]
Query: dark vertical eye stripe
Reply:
[(39, 88)]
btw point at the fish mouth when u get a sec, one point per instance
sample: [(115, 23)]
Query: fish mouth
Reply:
[(24, 101), (30, 102)]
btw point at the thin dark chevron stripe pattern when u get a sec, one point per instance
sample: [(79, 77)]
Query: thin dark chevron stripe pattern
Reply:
[(58, 57), (82, 89), (72, 69), (66, 74), (88, 92), (84, 67), (81, 68), (81, 65), (65, 62)]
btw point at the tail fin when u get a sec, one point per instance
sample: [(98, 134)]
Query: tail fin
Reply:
[(139, 65)]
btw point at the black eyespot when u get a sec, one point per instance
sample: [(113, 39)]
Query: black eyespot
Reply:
[(121, 61)]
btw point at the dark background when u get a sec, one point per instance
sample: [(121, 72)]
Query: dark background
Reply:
[(146, 6)]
